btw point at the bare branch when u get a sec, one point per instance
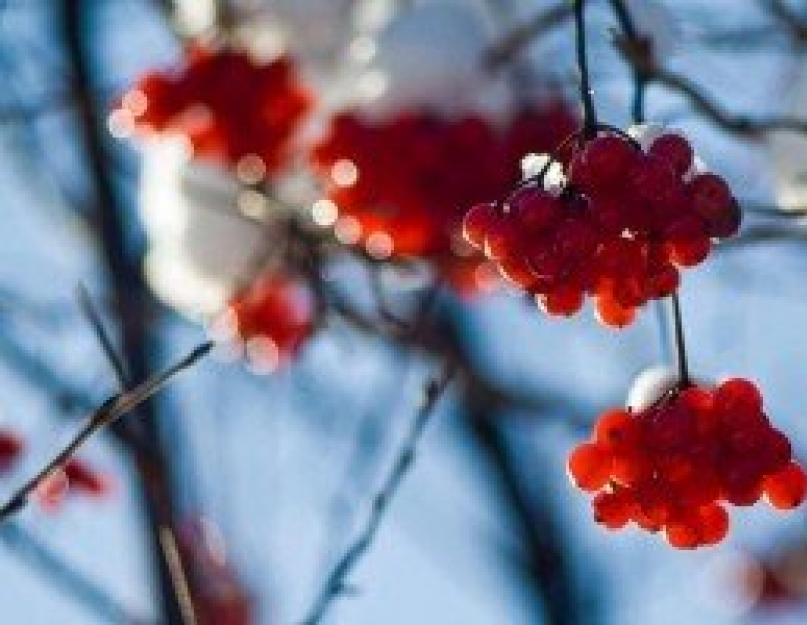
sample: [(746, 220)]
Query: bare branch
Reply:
[(109, 412), (637, 50), (336, 582)]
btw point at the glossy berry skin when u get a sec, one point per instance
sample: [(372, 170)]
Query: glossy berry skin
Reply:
[(787, 488), (620, 232), (418, 173), (676, 465), (227, 104)]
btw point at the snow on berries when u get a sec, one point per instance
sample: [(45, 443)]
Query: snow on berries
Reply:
[(399, 186), (232, 108), (620, 229), (677, 464), (271, 319)]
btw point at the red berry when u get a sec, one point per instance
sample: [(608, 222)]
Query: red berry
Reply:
[(738, 398), (616, 429), (675, 151), (631, 468), (563, 301), (613, 315), (516, 271), (787, 488), (534, 209), (713, 201), (477, 222), (613, 510), (603, 162), (501, 240), (590, 466), (683, 534), (714, 524)]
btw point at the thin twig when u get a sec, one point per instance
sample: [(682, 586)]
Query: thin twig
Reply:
[(641, 41), (589, 113), (680, 344), (110, 411), (94, 318), (637, 50), (514, 42), (70, 580), (167, 540), (336, 581)]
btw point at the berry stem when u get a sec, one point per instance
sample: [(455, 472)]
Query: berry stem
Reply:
[(589, 114), (640, 82), (680, 344)]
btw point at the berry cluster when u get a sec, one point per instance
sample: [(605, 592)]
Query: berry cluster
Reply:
[(272, 317), (229, 105), (618, 229), (672, 465), (401, 185)]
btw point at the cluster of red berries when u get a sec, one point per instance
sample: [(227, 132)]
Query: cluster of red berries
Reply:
[(620, 228), (273, 317), (229, 105), (405, 181), (674, 465)]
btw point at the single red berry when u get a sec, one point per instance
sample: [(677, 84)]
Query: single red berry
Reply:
[(477, 222), (738, 398), (631, 467), (712, 199), (675, 151), (683, 534), (714, 524), (616, 429), (787, 488), (613, 510), (562, 301), (516, 270), (534, 209), (589, 466), (603, 162), (501, 240), (612, 314)]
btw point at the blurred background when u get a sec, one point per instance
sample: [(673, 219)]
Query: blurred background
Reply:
[(256, 469)]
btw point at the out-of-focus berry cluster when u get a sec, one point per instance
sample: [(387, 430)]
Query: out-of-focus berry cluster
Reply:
[(675, 465), (229, 105), (400, 186), (618, 228), (271, 318)]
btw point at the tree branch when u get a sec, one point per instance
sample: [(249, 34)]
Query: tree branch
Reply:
[(335, 583), (111, 410)]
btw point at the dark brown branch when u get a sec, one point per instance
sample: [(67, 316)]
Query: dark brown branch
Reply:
[(110, 411), (336, 581)]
